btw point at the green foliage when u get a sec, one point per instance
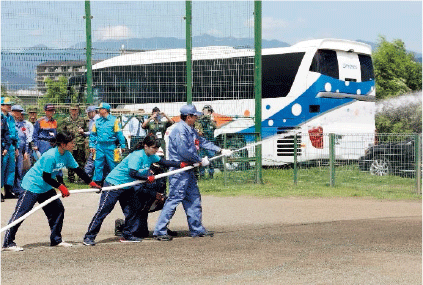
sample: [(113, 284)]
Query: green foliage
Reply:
[(400, 115), (396, 71), (3, 91), (15, 100), (404, 120), (57, 92)]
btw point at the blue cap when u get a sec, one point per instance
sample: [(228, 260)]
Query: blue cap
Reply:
[(6, 101), (190, 110), (104, 106), (91, 109), (17, 108)]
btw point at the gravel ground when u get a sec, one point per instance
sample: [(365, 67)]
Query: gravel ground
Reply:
[(257, 241)]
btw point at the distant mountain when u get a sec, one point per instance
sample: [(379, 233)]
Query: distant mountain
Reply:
[(15, 81), (19, 66), (170, 43)]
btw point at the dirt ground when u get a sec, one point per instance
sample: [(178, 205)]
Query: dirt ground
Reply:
[(257, 241)]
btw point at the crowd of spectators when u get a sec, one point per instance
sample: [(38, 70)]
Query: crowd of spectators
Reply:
[(25, 137)]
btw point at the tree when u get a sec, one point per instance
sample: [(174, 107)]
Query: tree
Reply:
[(396, 71), (399, 115), (57, 92)]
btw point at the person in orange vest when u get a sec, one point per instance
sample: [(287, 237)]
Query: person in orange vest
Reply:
[(45, 131)]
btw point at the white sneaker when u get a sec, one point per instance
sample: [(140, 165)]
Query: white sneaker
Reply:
[(64, 244), (12, 248)]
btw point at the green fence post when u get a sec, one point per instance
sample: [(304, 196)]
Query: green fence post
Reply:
[(188, 40), (295, 159), (258, 83), (418, 162), (332, 159), (225, 173), (89, 52)]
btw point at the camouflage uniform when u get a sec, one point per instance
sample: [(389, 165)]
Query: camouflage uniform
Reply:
[(79, 151), (207, 127), (158, 129)]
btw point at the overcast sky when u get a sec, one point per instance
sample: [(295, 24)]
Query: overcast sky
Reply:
[(60, 24)]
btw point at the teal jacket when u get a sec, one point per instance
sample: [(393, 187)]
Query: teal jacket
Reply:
[(107, 130), (13, 133)]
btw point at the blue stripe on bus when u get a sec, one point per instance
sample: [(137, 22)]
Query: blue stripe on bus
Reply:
[(309, 98)]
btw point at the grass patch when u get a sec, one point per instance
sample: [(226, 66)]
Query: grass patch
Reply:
[(312, 183)]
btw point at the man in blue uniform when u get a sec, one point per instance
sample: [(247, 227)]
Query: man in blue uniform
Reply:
[(22, 127), (45, 130), (104, 134), (9, 159), (183, 186), (92, 116), (5, 144), (134, 167)]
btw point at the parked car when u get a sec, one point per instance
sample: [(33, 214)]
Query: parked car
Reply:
[(392, 158)]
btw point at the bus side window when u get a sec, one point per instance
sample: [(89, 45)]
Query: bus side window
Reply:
[(326, 63), (279, 72), (366, 67)]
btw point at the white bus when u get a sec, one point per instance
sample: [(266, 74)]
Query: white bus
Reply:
[(310, 89)]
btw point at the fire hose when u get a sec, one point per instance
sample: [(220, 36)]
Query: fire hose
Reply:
[(109, 188)]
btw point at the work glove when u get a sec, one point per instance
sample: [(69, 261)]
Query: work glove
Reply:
[(64, 190), (184, 164), (95, 185), (205, 161), (226, 152), (150, 179)]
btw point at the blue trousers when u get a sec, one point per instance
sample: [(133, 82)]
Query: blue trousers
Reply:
[(108, 200), (19, 173), (182, 188), (8, 166), (209, 154), (53, 211), (43, 146), (104, 156), (144, 200), (89, 167)]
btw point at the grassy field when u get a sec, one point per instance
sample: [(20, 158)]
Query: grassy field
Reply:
[(312, 183)]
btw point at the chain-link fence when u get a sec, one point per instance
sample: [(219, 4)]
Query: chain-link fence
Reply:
[(138, 52), (359, 160), (345, 161), (139, 62)]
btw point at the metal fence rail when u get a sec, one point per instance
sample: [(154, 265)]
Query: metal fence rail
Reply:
[(392, 160)]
